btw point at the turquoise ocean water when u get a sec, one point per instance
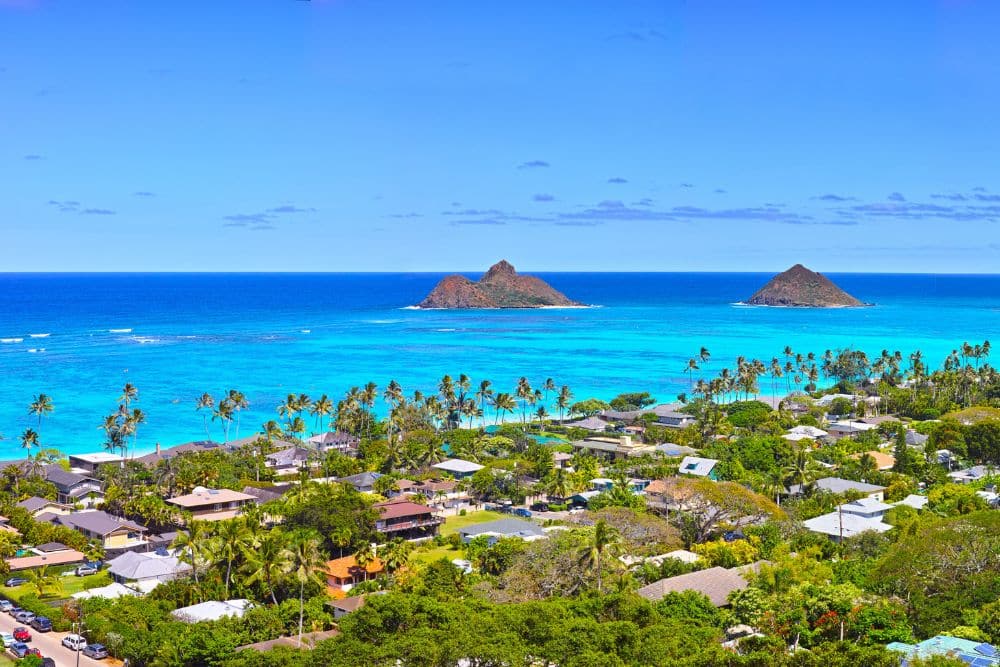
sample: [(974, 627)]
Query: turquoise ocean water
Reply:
[(177, 335)]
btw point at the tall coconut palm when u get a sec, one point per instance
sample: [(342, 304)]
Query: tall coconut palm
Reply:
[(305, 564), (205, 402), (224, 413), (605, 540), (239, 402), (29, 439), (548, 385), (322, 408), (232, 541), (563, 401), (396, 555), (704, 355), (504, 403), (524, 394), (365, 556), (485, 393), (41, 406), (268, 561), (691, 366), (191, 544)]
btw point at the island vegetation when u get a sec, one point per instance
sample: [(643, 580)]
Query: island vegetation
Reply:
[(605, 517)]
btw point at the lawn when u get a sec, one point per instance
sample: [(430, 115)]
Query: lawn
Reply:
[(453, 524), (437, 553), (70, 584)]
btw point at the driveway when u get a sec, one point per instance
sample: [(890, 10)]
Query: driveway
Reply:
[(49, 644)]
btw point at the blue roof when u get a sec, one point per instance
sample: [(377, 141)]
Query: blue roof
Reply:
[(974, 653)]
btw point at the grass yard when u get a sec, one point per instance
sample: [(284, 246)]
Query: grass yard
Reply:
[(453, 524), (437, 553), (70, 584)]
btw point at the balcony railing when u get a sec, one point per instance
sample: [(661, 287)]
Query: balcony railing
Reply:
[(385, 527)]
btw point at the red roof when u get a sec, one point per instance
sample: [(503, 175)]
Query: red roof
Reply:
[(397, 510)]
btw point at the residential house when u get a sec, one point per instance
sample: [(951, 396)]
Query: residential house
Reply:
[(914, 501), (562, 460), (914, 439), (804, 433), (364, 482), (212, 610), (263, 494), (212, 504), (978, 654), (973, 474), (345, 606), (838, 485), (163, 454), (145, 571), (113, 533), (698, 467), (343, 574), (594, 423), (848, 429), (89, 463), (458, 468), (500, 529), (73, 488), (672, 450), (52, 553), (289, 461), (612, 449), (716, 583), (670, 416), (882, 461), (406, 520), (37, 506), (338, 441), (850, 519), (605, 484)]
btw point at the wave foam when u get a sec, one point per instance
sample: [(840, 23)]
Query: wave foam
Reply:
[(11, 340), (119, 331), (41, 335)]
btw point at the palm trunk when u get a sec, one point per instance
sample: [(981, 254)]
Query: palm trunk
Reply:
[(301, 606)]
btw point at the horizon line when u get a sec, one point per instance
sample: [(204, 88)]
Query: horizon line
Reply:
[(474, 271)]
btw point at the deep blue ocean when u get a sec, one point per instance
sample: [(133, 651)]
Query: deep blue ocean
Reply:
[(177, 335)]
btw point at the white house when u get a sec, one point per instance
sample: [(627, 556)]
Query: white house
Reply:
[(851, 518), (804, 433), (212, 610), (698, 467), (458, 468)]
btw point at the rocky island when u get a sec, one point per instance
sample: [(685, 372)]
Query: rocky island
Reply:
[(500, 287), (800, 287)]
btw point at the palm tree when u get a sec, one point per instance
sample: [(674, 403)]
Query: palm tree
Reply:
[(548, 385), (563, 401), (485, 393), (365, 556), (524, 394), (205, 402), (322, 408), (42, 580), (704, 355), (239, 402), (41, 406), (801, 470), (396, 555), (604, 540), (691, 367), (504, 403), (29, 439), (268, 561), (232, 542), (305, 564), (224, 413), (191, 544)]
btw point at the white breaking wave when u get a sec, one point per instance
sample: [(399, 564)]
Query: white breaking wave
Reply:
[(11, 340), (44, 335), (119, 331)]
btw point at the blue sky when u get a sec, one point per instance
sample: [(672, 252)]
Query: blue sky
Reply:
[(394, 136)]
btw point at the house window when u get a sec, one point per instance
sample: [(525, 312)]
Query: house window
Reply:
[(691, 466)]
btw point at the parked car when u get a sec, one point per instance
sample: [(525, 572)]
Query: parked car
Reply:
[(520, 511), (42, 624), (13, 611), (96, 651), (7, 639), (84, 570), (6, 605), (74, 642), (24, 616), (19, 649), (21, 634), (48, 662), (540, 507), (15, 581), (577, 510)]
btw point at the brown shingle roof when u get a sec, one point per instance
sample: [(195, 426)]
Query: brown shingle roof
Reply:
[(715, 582), (401, 509)]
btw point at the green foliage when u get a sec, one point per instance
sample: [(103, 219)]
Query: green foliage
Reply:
[(588, 407), (634, 400), (748, 414), (955, 499)]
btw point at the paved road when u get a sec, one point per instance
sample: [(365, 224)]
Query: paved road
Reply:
[(49, 644)]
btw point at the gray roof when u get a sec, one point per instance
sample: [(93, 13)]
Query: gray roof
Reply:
[(34, 503), (49, 547), (264, 494), (838, 485), (671, 449), (589, 423), (198, 446), (63, 478), (504, 527), (715, 582), (132, 565), (98, 522), (335, 438), (360, 480), (917, 439), (290, 456)]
